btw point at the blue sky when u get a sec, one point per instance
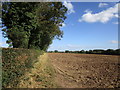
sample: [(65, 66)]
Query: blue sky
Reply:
[(89, 25), (87, 34)]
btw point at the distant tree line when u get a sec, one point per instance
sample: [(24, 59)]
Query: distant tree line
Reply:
[(96, 51)]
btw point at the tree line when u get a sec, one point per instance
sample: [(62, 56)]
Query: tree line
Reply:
[(32, 25), (96, 51)]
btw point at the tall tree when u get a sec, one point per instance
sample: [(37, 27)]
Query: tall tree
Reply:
[(33, 25), (16, 17)]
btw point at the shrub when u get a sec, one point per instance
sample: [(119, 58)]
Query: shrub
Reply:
[(66, 51), (56, 51), (15, 62)]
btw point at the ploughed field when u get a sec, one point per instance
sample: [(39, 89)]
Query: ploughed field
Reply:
[(85, 70)]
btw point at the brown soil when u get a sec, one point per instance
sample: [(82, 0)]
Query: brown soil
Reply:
[(85, 70)]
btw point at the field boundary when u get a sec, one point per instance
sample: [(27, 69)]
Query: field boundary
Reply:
[(40, 76)]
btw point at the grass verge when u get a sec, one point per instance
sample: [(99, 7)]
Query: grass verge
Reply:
[(41, 75)]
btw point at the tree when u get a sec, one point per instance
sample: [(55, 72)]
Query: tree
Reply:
[(56, 51), (117, 51), (109, 51), (90, 51), (33, 25), (66, 51), (82, 51), (16, 17)]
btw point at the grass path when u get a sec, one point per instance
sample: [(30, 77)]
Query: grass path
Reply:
[(40, 76)]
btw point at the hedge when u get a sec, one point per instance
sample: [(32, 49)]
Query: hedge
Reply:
[(15, 62)]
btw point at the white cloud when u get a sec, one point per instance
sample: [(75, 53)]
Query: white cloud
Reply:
[(69, 7), (115, 23), (88, 11), (103, 16), (113, 41), (102, 5)]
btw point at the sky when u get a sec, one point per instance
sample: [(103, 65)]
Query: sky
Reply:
[(89, 25)]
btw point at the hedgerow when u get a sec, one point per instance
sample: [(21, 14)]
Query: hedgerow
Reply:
[(15, 62)]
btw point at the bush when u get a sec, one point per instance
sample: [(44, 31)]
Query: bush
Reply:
[(67, 51), (15, 62), (56, 51)]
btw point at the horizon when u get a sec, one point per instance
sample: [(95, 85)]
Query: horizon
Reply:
[(81, 50)]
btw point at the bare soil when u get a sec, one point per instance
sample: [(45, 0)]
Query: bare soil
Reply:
[(85, 70)]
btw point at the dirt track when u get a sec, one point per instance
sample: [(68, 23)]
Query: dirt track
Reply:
[(85, 70)]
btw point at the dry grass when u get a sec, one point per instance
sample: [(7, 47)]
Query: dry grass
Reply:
[(41, 75)]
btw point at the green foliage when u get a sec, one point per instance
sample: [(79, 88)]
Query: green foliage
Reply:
[(15, 17), (66, 51), (56, 51), (33, 25), (15, 62)]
